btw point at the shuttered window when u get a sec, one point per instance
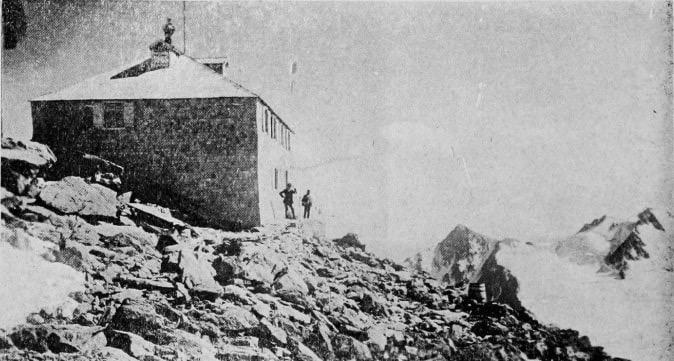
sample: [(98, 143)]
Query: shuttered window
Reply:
[(98, 115), (113, 115), (275, 178), (128, 115), (266, 121)]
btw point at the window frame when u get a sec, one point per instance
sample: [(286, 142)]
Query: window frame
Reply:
[(265, 126), (122, 105), (275, 178), (92, 109), (273, 127)]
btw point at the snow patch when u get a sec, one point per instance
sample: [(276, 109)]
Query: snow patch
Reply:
[(29, 282)]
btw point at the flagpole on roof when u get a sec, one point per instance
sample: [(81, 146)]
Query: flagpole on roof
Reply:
[(184, 31)]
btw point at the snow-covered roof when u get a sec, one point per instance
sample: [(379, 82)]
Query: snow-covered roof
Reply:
[(184, 78)]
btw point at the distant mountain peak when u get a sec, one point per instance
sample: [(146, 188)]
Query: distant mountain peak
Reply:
[(647, 217), (592, 224), (611, 242), (460, 256), (460, 228)]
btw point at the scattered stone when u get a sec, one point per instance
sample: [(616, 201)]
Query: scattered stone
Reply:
[(239, 353), (146, 284), (130, 343), (275, 334), (291, 287), (234, 319), (141, 318), (284, 292), (348, 347), (304, 353), (350, 240)]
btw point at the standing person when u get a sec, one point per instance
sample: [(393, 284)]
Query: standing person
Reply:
[(287, 195), (306, 203)]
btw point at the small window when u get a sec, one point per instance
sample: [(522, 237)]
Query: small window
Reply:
[(287, 177), (273, 127), (288, 140), (113, 115), (275, 178), (266, 121), (85, 118)]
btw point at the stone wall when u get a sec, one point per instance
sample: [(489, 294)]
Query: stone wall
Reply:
[(198, 155)]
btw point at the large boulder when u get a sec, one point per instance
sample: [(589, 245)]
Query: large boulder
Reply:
[(73, 195), (272, 333), (141, 317), (241, 353), (27, 151), (135, 236), (130, 343), (59, 338), (320, 341), (350, 240), (259, 267), (349, 347), (302, 352), (235, 319), (22, 163), (291, 287), (197, 275)]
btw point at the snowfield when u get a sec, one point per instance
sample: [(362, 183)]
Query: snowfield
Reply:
[(632, 318)]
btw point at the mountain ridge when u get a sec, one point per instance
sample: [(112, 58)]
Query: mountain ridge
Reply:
[(608, 259)]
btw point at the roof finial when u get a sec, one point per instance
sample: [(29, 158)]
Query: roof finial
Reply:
[(168, 31)]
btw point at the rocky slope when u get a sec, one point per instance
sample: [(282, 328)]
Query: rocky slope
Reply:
[(129, 281), (283, 292)]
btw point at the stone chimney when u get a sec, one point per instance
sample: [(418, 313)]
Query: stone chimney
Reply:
[(160, 58)]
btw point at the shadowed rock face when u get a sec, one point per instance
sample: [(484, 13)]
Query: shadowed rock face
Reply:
[(632, 247), (609, 243), (502, 286), (459, 258), (466, 256)]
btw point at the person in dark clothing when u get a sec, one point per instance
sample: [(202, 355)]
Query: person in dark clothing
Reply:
[(306, 203), (287, 195)]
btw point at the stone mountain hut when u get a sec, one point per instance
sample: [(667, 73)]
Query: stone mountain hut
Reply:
[(187, 136)]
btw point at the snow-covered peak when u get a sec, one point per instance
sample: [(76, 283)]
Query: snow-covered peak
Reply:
[(613, 245), (460, 256)]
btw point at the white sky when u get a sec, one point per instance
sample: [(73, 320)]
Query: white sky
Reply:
[(524, 120)]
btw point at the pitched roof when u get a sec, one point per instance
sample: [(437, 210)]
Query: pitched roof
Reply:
[(184, 78)]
